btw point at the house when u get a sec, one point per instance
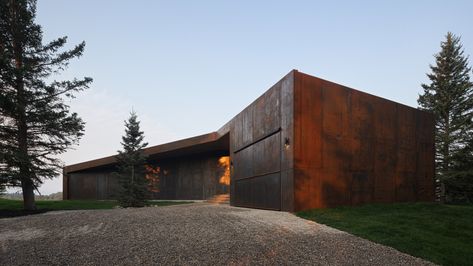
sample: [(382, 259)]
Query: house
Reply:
[(305, 143)]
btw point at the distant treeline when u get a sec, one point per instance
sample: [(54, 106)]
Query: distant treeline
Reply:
[(19, 196)]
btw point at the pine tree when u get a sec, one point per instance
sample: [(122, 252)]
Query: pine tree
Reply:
[(36, 123), (449, 96), (459, 180), (131, 166)]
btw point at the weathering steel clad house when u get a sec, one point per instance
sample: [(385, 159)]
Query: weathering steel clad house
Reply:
[(305, 143)]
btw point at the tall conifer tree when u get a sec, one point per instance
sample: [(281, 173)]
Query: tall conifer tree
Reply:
[(131, 165), (36, 123), (449, 96), (459, 180)]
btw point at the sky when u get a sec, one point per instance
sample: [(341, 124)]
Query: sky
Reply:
[(188, 67)]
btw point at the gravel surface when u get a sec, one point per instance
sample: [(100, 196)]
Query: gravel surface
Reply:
[(199, 234)]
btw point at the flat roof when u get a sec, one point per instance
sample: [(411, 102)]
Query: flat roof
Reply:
[(215, 141)]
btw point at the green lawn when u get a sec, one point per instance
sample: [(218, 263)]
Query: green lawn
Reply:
[(442, 234), (59, 204), (11, 208)]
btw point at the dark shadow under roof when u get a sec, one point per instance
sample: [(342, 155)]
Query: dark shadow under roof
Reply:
[(212, 142)]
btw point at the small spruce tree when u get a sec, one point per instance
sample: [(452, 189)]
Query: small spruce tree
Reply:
[(131, 166), (449, 96)]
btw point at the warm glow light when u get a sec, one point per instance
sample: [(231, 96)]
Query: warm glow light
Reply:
[(287, 143), (153, 175), (224, 162)]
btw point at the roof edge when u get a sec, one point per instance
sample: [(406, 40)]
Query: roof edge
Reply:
[(162, 148)]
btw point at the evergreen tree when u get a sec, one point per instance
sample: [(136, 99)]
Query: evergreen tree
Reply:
[(449, 96), (131, 166), (36, 123), (459, 180)]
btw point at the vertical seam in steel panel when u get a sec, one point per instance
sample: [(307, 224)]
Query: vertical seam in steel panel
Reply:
[(280, 139)]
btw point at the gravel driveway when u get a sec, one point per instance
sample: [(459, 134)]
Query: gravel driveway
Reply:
[(198, 233)]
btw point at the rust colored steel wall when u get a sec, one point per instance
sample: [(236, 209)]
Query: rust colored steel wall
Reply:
[(261, 166), (353, 148), (305, 143), (195, 177)]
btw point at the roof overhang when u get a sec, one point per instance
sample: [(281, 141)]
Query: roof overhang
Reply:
[(212, 142)]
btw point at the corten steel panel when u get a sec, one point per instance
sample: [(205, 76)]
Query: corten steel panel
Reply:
[(307, 142), (260, 158), (353, 148), (385, 124), (243, 163), (362, 116), (287, 122), (405, 186), (242, 128), (262, 192), (247, 125), (362, 187), (257, 162), (407, 128), (267, 155), (425, 157), (307, 188), (335, 106), (257, 174), (336, 145), (287, 189), (236, 133), (335, 187), (362, 136), (385, 160), (266, 113), (266, 191), (307, 124), (287, 142), (363, 153), (236, 141)]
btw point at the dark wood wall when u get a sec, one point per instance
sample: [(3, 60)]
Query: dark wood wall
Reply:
[(353, 148), (92, 184), (261, 165), (193, 178), (186, 178)]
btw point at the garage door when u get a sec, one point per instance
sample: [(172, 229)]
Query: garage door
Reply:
[(256, 175)]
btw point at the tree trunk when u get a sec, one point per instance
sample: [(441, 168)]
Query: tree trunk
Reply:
[(28, 194), (25, 171)]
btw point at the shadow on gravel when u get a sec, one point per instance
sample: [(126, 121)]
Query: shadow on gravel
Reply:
[(18, 213)]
